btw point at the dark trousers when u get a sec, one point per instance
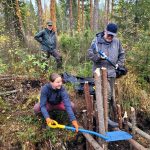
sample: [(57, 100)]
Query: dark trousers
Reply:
[(111, 98), (46, 55)]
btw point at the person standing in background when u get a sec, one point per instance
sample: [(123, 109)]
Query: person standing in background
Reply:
[(47, 39)]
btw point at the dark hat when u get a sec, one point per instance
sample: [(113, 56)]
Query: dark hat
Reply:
[(112, 29), (49, 23)]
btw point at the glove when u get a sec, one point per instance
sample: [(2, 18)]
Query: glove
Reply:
[(49, 121), (75, 124)]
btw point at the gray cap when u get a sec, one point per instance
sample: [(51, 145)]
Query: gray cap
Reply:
[(49, 23)]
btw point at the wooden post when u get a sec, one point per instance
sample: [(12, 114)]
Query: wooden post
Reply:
[(105, 97), (99, 102), (89, 106), (119, 116), (125, 118), (133, 118)]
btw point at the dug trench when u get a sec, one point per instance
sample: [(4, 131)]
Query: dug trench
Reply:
[(21, 129)]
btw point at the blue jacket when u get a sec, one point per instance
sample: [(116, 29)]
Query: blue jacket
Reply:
[(47, 39), (113, 50), (52, 96)]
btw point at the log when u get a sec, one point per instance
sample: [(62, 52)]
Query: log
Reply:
[(91, 140), (139, 131), (10, 92), (135, 144)]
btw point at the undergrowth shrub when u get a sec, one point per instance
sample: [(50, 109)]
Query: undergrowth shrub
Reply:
[(130, 94)]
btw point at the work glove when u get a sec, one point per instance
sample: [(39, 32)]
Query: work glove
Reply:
[(49, 121), (75, 124)]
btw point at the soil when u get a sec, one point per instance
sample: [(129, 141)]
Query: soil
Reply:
[(21, 129)]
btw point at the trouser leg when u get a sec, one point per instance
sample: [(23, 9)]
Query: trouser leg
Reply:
[(57, 57), (45, 59), (111, 96), (49, 107)]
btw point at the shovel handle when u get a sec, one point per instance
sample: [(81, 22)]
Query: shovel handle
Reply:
[(55, 124)]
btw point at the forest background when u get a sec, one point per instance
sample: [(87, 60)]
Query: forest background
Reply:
[(76, 22)]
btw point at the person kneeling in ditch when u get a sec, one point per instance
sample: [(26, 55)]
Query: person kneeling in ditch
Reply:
[(54, 97)]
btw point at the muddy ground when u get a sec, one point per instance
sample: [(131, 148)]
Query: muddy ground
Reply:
[(21, 129)]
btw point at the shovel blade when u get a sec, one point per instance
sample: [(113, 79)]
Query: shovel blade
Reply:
[(117, 136)]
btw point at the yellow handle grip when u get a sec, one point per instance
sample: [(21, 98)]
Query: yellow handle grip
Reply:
[(55, 124)]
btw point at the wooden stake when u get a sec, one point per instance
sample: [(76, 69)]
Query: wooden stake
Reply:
[(133, 118), (99, 102), (119, 116), (105, 97), (89, 106)]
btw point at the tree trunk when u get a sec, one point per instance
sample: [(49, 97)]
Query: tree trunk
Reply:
[(53, 13), (9, 17), (95, 15), (107, 3), (112, 7), (79, 20), (91, 15), (82, 15), (70, 17), (40, 13), (13, 20), (18, 25)]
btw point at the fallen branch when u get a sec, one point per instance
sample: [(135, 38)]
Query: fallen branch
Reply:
[(10, 92), (135, 144), (8, 78), (139, 131), (91, 140)]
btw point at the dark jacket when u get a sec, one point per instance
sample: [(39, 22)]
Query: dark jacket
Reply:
[(113, 50), (52, 96), (47, 39)]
